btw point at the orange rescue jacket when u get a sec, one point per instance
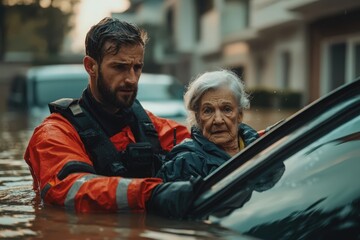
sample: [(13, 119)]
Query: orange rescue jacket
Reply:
[(64, 174)]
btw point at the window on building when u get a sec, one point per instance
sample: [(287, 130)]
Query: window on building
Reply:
[(357, 60), (202, 7), (169, 34), (245, 7), (239, 70), (170, 21), (340, 63), (337, 63), (259, 70), (286, 67), (234, 16)]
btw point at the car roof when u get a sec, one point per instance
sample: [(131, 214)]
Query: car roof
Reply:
[(60, 71), (151, 78)]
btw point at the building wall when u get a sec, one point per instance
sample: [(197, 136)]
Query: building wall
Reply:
[(273, 44), (339, 27), (268, 55)]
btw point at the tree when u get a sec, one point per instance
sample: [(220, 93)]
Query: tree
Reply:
[(34, 28), (2, 30)]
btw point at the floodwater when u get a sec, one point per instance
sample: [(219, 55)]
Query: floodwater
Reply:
[(23, 216)]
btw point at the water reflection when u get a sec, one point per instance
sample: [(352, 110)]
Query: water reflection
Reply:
[(22, 214)]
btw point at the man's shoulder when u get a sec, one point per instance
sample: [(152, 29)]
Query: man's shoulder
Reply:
[(166, 123), (54, 121), (53, 130)]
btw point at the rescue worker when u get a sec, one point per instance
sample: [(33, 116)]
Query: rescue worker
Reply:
[(101, 152)]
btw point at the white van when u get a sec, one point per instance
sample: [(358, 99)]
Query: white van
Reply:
[(162, 95), (43, 84)]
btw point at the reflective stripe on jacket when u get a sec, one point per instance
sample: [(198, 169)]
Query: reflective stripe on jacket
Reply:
[(64, 175)]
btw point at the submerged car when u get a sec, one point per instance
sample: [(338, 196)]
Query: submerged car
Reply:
[(299, 181), (161, 94)]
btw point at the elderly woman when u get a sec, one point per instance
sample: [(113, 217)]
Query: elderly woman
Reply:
[(215, 102)]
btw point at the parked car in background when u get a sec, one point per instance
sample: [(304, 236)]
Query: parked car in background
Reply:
[(159, 93), (299, 181), (43, 84), (162, 95)]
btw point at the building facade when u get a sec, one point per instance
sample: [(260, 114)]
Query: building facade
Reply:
[(305, 47)]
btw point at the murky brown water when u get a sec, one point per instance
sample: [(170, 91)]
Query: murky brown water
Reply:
[(23, 216)]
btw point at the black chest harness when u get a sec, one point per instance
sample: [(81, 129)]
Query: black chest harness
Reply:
[(141, 159)]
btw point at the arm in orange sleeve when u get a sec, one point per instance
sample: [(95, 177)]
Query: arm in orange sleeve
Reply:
[(165, 128), (64, 175)]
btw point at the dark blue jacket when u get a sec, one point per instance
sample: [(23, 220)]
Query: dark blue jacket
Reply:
[(199, 156)]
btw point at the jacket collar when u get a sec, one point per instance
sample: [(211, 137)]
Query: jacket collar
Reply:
[(247, 133), (111, 123)]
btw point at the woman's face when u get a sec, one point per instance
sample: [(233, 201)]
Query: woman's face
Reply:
[(219, 117)]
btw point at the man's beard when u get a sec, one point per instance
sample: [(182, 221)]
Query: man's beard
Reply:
[(109, 97)]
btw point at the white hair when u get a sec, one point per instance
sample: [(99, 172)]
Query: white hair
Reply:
[(211, 81)]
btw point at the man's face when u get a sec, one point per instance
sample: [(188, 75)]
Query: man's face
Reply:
[(116, 82)]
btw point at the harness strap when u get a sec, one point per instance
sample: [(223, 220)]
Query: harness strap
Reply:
[(101, 150), (144, 129)]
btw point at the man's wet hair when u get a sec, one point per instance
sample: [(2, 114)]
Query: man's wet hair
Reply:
[(112, 30)]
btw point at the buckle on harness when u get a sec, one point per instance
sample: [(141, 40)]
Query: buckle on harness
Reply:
[(75, 109), (138, 156)]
